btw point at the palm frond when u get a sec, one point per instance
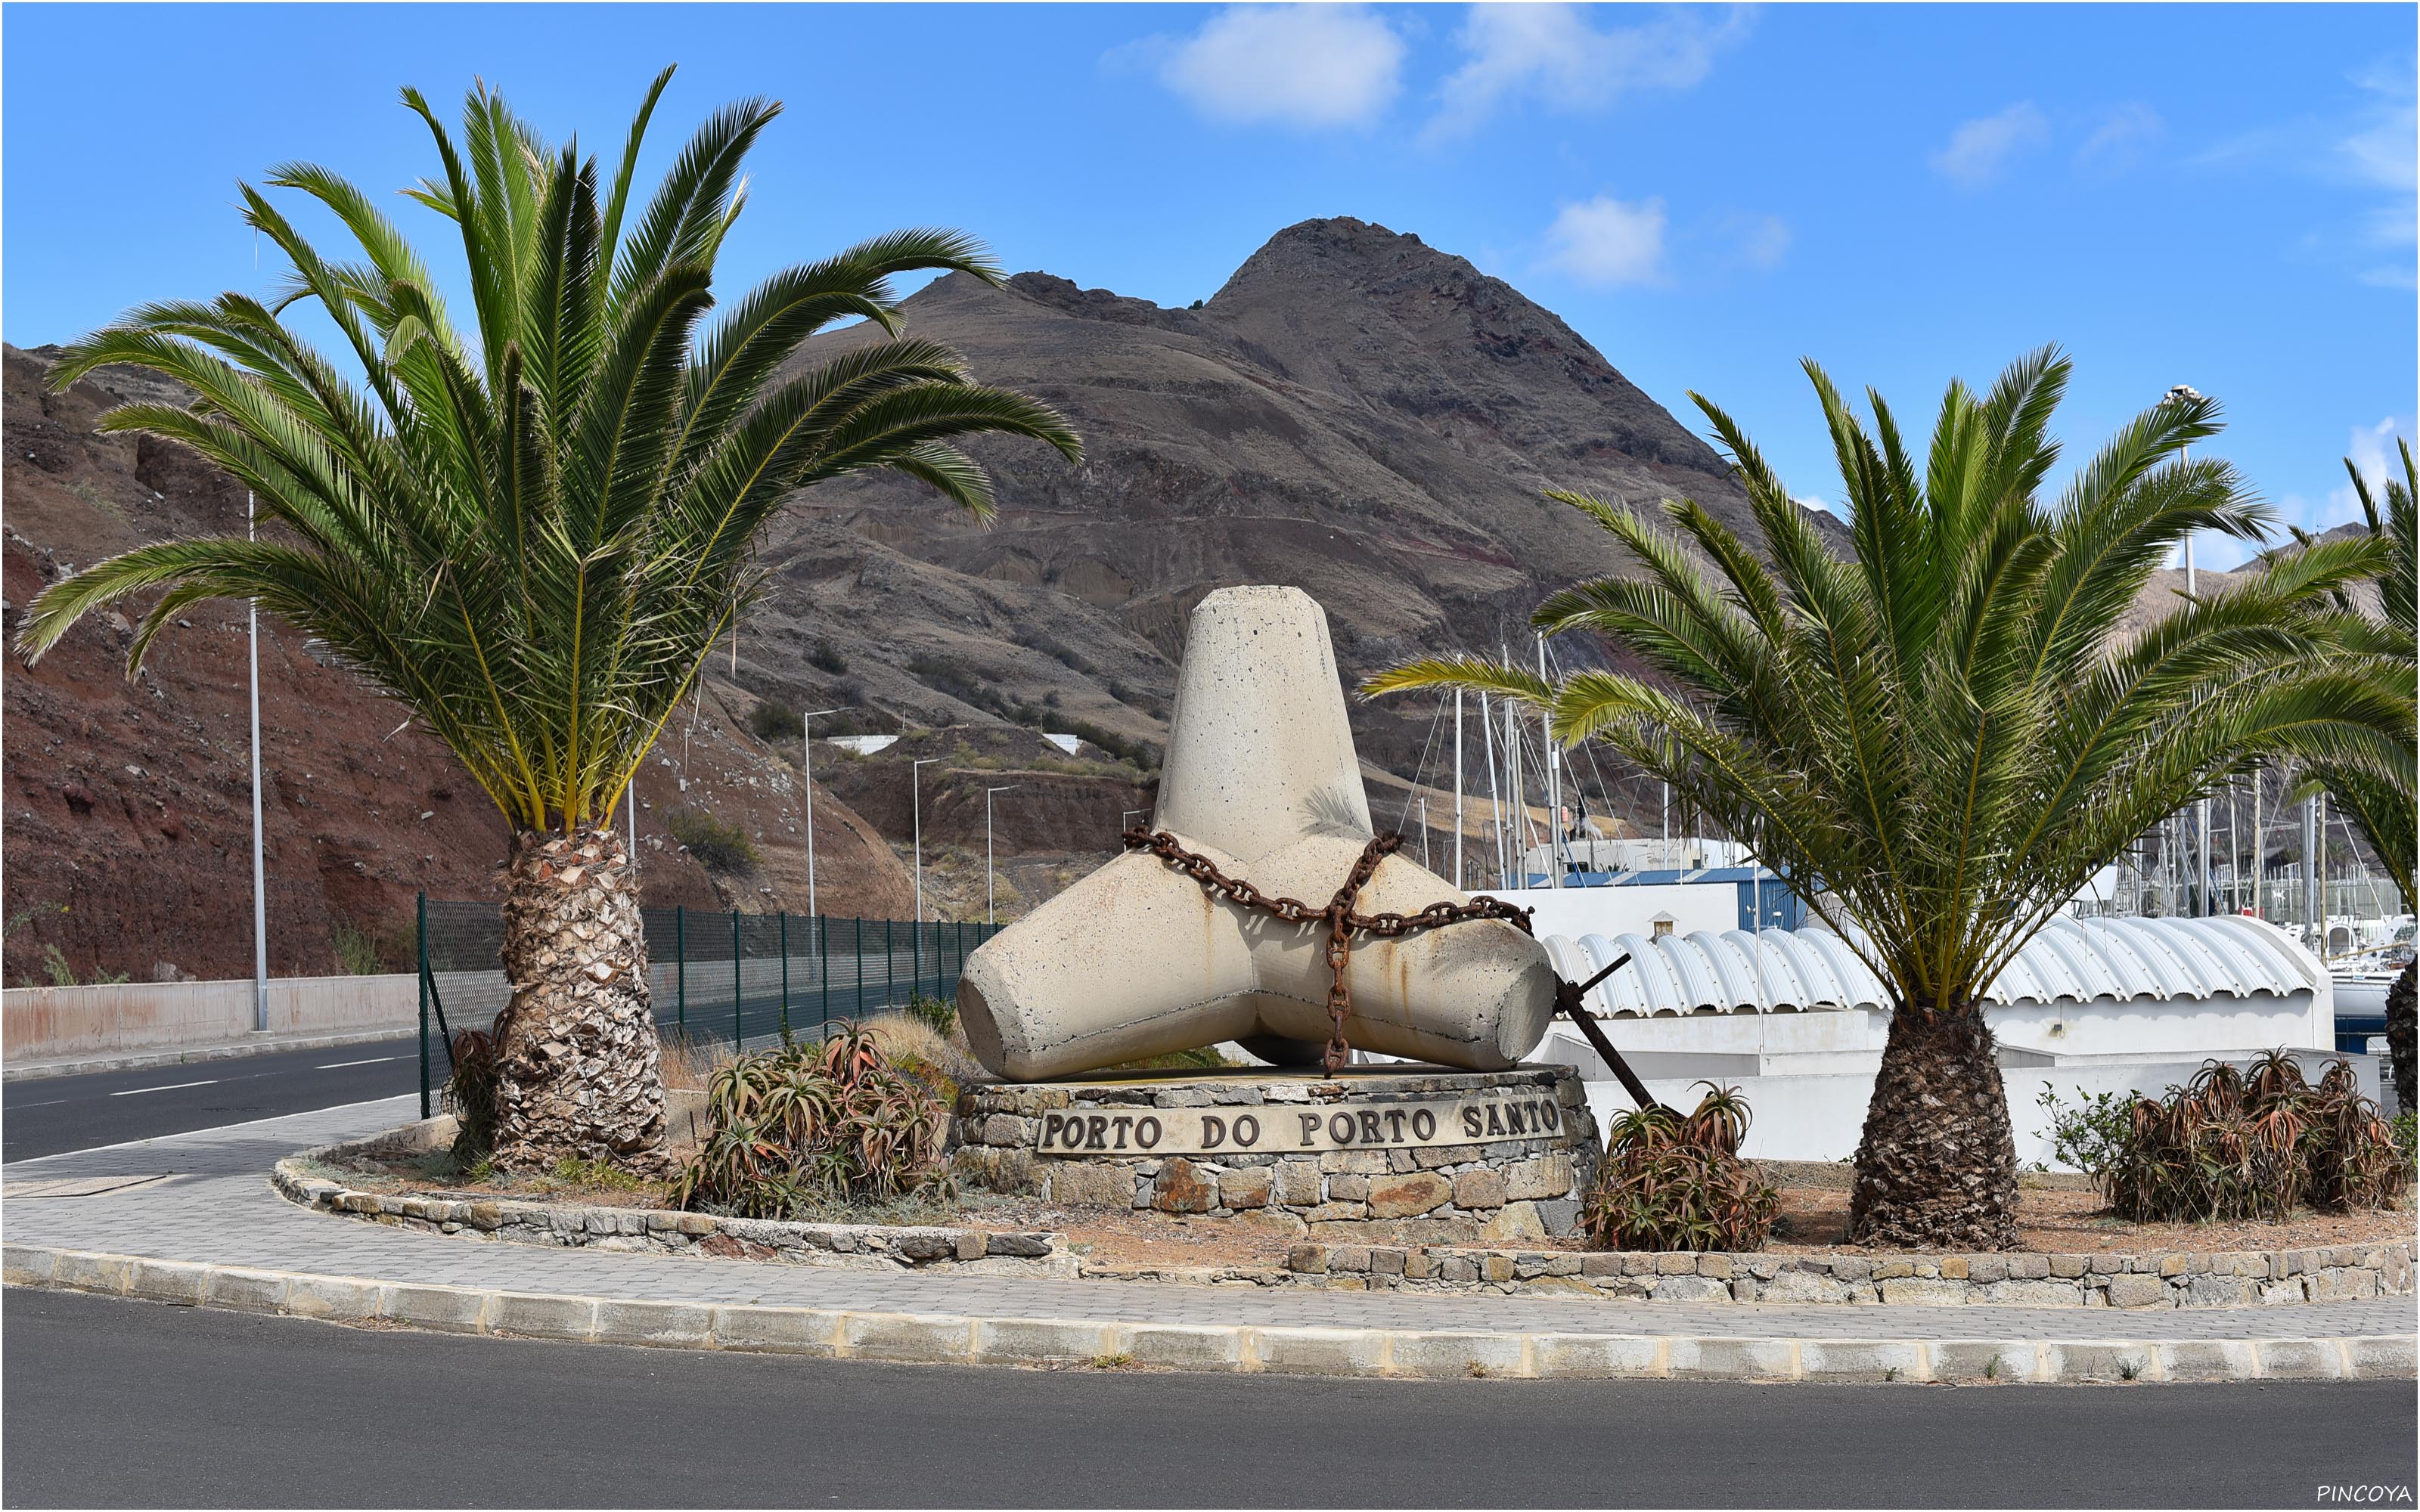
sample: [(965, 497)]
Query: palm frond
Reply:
[(531, 531)]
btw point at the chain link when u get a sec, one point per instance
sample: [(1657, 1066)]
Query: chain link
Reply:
[(1343, 922)]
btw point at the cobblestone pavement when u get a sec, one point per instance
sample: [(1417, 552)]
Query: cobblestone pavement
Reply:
[(219, 1210)]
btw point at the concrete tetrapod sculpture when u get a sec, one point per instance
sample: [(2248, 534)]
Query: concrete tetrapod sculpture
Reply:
[(1138, 960)]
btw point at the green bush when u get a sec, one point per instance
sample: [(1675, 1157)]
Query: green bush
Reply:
[(716, 846), (824, 657), (2407, 1137), (359, 949), (794, 1129), (935, 1014), (2090, 1135), (2255, 1144), (1669, 1182), (773, 720)]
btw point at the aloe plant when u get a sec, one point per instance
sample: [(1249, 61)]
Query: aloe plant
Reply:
[(1675, 1182)]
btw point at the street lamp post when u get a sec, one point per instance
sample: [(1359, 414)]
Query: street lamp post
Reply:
[(807, 787), (1126, 814), (916, 797), (2178, 394), (988, 873), (259, 876)]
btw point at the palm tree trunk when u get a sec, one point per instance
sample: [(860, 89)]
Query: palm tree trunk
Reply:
[(1936, 1166), (580, 1069), (2399, 1026)]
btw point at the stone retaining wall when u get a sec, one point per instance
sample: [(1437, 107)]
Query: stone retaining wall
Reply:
[(1507, 1189), (2337, 1273), (655, 1231)]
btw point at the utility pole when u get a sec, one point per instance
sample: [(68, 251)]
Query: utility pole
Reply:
[(1554, 781), (1519, 850), (2320, 865), (2259, 855), (259, 876), (988, 873), (2311, 928), (1457, 790), (2182, 393), (807, 788), (916, 798), (1496, 808)]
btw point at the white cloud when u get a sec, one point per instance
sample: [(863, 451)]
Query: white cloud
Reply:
[(2368, 446), (1758, 240), (1551, 54), (2379, 149), (1978, 149), (2121, 139), (1310, 66), (1608, 243), (2368, 147), (2381, 153), (2367, 450)]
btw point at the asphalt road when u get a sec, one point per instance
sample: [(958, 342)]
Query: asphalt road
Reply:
[(111, 1402), (49, 1115)]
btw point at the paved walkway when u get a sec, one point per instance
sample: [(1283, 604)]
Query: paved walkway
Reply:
[(219, 1212)]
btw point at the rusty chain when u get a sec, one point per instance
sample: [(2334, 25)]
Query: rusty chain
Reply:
[(1341, 921)]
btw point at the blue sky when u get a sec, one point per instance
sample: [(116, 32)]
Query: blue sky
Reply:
[(2219, 196)]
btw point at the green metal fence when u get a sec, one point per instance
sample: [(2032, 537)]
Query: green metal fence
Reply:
[(741, 978)]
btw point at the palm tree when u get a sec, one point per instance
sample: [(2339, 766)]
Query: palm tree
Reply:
[(529, 533), (2379, 800), (1942, 737)]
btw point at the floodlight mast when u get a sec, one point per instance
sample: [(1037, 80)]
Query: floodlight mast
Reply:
[(807, 787)]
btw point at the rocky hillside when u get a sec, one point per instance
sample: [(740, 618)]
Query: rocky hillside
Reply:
[(1355, 413), (128, 805)]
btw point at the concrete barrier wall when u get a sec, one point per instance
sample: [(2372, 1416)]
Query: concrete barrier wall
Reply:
[(36, 1023)]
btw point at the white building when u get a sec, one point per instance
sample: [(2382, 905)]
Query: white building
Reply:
[(1796, 1021)]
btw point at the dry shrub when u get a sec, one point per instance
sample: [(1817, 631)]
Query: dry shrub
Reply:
[(801, 1125), (690, 1065), (1670, 1182), (2255, 1144), (937, 1059), (471, 1095)]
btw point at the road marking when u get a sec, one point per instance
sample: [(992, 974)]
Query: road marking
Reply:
[(52, 1104), (90, 1186), (401, 1099), (374, 1060), (138, 1092)]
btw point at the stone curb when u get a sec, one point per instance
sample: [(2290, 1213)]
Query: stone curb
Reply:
[(138, 1060), (2152, 1279), (929, 1247), (1413, 1354)]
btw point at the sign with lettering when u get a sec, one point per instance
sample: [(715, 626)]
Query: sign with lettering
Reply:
[(1281, 1129)]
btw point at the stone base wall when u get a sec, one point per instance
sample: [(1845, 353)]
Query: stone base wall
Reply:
[(2340, 1273), (1503, 1190), (657, 1230)]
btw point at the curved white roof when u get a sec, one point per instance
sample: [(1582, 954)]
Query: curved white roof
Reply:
[(1787, 971)]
